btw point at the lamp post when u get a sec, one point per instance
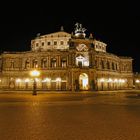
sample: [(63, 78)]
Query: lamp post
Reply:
[(34, 74)]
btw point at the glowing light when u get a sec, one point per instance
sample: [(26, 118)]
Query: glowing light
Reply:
[(102, 80), (37, 80), (11, 79), (137, 81), (18, 80), (80, 57), (27, 80), (85, 83), (110, 80), (35, 73), (115, 80), (46, 80), (83, 79), (86, 63), (58, 80), (120, 80), (123, 81)]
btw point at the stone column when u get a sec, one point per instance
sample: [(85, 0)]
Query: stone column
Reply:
[(70, 60), (72, 82), (90, 60), (67, 63), (73, 60), (49, 61), (59, 61)]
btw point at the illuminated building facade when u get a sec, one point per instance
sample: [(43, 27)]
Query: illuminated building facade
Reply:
[(66, 62)]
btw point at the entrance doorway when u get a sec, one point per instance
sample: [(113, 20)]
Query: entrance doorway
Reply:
[(83, 81)]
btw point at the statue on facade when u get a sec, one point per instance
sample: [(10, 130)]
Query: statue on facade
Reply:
[(38, 35), (79, 30)]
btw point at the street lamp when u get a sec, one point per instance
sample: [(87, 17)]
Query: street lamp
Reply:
[(34, 74)]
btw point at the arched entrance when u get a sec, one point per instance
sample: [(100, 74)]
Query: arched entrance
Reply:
[(83, 81)]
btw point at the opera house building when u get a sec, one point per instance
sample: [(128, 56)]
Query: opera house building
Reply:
[(67, 62)]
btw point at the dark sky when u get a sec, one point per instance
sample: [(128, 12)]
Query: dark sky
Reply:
[(115, 23)]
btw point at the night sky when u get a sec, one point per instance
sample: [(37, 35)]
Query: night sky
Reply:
[(115, 23)]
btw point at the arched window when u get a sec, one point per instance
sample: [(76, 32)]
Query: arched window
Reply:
[(61, 42), (35, 63), (79, 61), (64, 63), (55, 42), (95, 63), (113, 67), (27, 64), (12, 64), (102, 64), (108, 65), (82, 60), (58, 83), (42, 43), (43, 63), (53, 62)]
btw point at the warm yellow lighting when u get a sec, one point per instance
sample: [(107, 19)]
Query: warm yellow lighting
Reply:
[(137, 81), (11, 79), (27, 80), (110, 80), (102, 80), (58, 79), (37, 80), (83, 79), (85, 83), (86, 63), (115, 80), (18, 80), (34, 73), (46, 80), (122, 81)]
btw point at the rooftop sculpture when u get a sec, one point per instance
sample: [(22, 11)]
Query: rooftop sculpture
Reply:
[(79, 30)]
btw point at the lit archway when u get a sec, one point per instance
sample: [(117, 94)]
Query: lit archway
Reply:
[(83, 81), (82, 60)]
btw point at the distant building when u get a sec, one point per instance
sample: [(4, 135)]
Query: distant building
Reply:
[(66, 62)]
